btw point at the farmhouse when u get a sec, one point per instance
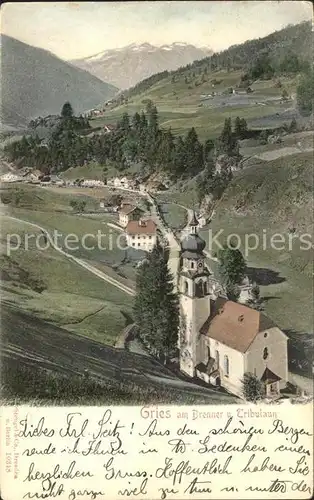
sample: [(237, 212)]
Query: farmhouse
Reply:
[(220, 340), (108, 206), (154, 186), (141, 234), (10, 177), (108, 129), (92, 183), (128, 213)]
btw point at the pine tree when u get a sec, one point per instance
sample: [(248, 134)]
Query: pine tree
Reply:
[(67, 110), (156, 306), (231, 265), (124, 124), (243, 127), (227, 142), (305, 91), (136, 122), (253, 389), (194, 159), (166, 150), (240, 128), (237, 127), (179, 156)]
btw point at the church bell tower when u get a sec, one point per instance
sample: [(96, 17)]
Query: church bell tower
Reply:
[(195, 295)]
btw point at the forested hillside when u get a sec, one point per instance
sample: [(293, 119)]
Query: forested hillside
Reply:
[(286, 51), (35, 82)]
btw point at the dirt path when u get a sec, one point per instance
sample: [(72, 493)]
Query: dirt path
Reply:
[(80, 262), (280, 153)]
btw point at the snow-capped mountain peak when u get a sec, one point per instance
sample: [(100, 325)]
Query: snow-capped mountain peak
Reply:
[(126, 66)]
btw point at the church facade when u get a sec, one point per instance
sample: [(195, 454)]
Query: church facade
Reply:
[(220, 340)]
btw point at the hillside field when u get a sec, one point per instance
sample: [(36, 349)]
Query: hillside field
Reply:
[(71, 296), (274, 197), (180, 107)]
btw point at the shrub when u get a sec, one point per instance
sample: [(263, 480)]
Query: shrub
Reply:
[(253, 389)]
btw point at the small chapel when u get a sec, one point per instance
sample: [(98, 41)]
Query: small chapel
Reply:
[(221, 340)]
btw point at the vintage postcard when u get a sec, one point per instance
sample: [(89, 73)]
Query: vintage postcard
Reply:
[(156, 192)]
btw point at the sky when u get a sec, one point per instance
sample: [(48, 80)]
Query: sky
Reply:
[(79, 29)]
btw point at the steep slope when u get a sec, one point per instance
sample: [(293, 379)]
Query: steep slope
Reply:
[(270, 205), (293, 40), (183, 96), (126, 66), (36, 82)]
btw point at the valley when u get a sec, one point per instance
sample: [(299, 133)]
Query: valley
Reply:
[(171, 148)]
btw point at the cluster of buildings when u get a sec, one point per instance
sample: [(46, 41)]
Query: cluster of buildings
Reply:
[(138, 184), (31, 176), (140, 232), (221, 340)]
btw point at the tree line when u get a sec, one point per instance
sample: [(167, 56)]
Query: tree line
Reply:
[(135, 139), (156, 307)]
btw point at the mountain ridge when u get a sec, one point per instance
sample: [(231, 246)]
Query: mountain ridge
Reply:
[(126, 66), (36, 82)]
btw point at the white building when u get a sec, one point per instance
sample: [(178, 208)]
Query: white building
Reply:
[(221, 340), (119, 182), (141, 234), (93, 183), (128, 213), (10, 177)]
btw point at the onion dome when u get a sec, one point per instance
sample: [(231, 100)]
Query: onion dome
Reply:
[(193, 243)]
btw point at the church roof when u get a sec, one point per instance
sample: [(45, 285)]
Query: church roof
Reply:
[(193, 243), (234, 324), (269, 376), (189, 255), (141, 227), (193, 221), (191, 274)]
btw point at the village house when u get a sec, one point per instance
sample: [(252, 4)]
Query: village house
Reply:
[(107, 206), (11, 177), (92, 183), (108, 129), (220, 340), (118, 182), (127, 213), (155, 186), (141, 234)]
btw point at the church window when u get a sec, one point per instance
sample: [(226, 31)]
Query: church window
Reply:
[(226, 365), (265, 353), (208, 353), (199, 289), (205, 288), (217, 359), (192, 264), (186, 287)]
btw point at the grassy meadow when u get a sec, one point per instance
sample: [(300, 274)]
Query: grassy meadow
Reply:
[(180, 106), (69, 295), (269, 198)]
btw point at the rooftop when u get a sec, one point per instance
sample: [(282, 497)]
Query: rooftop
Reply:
[(141, 227), (234, 324), (127, 208)]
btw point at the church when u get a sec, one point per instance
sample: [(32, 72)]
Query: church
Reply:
[(221, 340)]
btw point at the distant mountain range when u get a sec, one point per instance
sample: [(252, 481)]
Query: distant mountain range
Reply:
[(35, 82), (129, 65)]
